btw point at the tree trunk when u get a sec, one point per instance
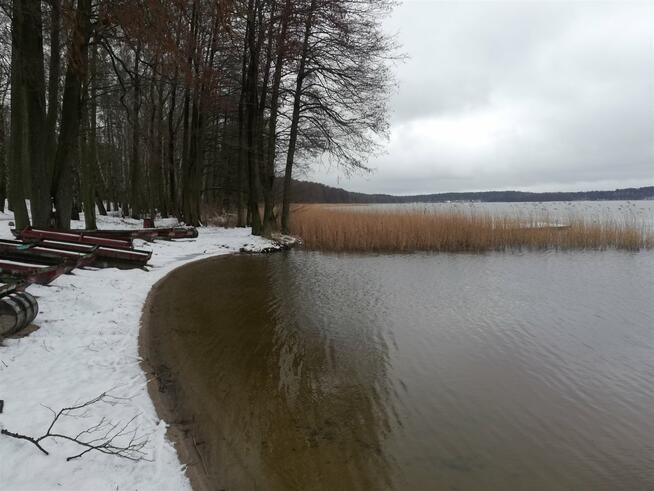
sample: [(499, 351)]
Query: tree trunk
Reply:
[(172, 188), (191, 197), (295, 120), (88, 157), (135, 160), (17, 157), (192, 132), (87, 177), (242, 219), (99, 182), (53, 85), (268, 178), (3, 157), (158, 153), (186, 130), (33, 85), (251, 109), (70, 116)]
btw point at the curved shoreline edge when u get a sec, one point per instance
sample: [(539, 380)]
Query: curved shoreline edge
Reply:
[(88, 345), (180, 432)]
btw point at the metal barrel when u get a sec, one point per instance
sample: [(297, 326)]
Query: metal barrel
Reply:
[(25, 306), (33, 306), (12, 315)]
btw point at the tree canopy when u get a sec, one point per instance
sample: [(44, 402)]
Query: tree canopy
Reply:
[(178, 107)]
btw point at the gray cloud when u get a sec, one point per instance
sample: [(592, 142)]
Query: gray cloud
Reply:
[(533, 96)]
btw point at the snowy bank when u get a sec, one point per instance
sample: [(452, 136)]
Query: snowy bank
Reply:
[(86, 345)]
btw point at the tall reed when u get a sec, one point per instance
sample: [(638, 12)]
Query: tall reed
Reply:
[(343, 228)]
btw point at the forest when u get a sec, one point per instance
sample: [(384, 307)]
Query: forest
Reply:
[(313, 192), (185, 107)]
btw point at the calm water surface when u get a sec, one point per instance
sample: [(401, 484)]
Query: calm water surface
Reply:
[(420, 372)]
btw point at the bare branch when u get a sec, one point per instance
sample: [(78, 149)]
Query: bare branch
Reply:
[(104, 437)]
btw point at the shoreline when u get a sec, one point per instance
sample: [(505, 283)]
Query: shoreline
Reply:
[(162, 387), (88, 344)]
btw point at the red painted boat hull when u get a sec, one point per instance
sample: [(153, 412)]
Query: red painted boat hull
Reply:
[(32, 252), (31, 273), (143, 234), (148, 234), (35, 235), (104, 256)]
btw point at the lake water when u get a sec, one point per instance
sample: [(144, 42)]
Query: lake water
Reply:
[(499, 371)]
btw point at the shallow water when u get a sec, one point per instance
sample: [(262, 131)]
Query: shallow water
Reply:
[(417, 372)]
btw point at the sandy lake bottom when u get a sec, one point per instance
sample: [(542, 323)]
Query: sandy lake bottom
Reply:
[(415, 371)]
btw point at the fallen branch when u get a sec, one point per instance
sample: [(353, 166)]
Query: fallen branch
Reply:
[(25, 437), (105, 437)]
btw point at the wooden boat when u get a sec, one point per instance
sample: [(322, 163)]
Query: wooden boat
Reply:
[(27, 257), (179, 233), (127, 234), (62, 245), (82, 259), (103, 256), (133, 258), (108, 251), (148, 234), (18, 271), (30, 234), (33, 252)]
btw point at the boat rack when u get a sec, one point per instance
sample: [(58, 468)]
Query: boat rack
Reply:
[(41, 255)]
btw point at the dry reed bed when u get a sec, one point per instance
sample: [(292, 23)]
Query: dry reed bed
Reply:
[(341, 229)]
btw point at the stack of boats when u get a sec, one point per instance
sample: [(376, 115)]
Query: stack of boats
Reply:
[(41, 255)]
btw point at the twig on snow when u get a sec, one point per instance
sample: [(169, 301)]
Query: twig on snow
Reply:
[(105, 437)]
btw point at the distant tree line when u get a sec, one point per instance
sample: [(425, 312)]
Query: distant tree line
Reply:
[(177, 106), (313, 192)]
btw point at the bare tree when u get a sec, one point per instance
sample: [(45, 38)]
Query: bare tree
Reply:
[(342, 85), (173, 106)]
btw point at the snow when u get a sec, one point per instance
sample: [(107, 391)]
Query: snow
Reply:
[(87, 344)]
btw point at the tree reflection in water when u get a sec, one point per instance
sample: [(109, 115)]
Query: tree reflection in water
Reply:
[(283, 400)]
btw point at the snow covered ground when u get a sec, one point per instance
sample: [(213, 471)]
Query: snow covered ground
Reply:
[(86, 345)]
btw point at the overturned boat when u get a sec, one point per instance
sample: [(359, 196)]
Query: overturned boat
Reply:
[(106, 251)]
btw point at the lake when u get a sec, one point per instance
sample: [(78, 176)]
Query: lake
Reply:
[(419, 371)]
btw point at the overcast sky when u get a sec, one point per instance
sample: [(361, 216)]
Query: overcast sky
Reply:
[(519, 95)]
